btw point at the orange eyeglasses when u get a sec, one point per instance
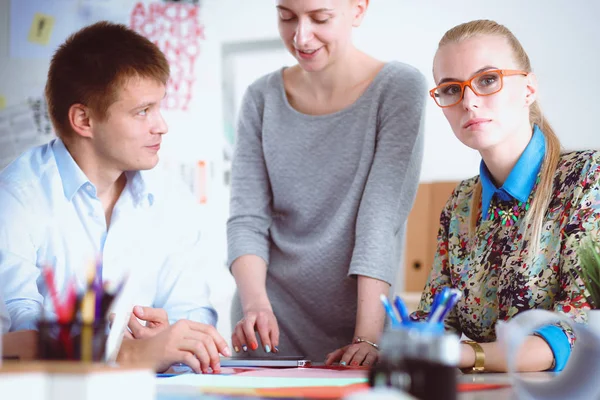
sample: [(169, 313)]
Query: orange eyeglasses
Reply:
[(485, 83)]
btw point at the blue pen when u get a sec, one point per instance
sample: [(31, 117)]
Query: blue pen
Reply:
[(97, 284), (165, 375), (438, 299), (454, 297), (401, 307), (98, 289), (444, 297), (389, 310)]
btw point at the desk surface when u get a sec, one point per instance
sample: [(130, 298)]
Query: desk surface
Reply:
[(174, 392)]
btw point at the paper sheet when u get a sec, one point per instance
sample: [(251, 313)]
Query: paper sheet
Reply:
[(313, 373), (22, 127), (253, 382)]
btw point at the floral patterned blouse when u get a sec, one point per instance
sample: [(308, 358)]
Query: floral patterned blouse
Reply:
[(493, 269)]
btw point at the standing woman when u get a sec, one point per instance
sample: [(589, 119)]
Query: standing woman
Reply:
[(325, 171), (508, 237)]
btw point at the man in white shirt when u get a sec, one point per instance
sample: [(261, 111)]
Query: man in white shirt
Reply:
[(93, 191), (21, 344), (4, 317)]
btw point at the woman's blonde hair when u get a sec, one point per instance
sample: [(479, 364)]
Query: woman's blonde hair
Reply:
[(543, 194)]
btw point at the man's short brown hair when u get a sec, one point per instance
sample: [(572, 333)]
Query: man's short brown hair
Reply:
[(92, 64)]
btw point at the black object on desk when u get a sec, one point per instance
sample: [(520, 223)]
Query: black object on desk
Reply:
[(418, 358), (272, 362), (72, 341)]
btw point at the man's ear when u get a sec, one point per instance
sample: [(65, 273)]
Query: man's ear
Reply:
[(532, 87), (80, 120), (360, 9)]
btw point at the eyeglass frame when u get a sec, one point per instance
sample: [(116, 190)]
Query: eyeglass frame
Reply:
[(464, 84)]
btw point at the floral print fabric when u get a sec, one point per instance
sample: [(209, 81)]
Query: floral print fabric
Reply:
[(498, 276)]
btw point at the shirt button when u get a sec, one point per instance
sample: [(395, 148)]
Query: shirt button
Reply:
[(89, 188)]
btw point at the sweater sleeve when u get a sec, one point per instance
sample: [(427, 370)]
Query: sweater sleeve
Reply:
[(393, 179), (250, 205)]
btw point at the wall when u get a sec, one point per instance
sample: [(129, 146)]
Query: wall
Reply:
[(562, 38)]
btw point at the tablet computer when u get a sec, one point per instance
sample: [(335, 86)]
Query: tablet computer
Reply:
[(282, 361)]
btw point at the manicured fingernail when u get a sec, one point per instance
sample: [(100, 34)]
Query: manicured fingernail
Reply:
[(244, 347), (227, 352), (254, 346), (343, 363), (139, 310), (276, 349), (354, 363), (237, 349), (268, 348)]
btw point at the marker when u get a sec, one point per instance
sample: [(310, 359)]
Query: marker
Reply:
[(454, 297), (401, 307), (438, 301), (389, 310), (48, 274), (437, 313)]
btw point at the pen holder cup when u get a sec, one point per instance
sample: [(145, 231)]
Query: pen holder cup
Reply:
[(72, 341), (420, 359)]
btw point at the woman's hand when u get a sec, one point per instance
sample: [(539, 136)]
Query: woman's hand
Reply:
[(257, 319), (354, 355), (250, 273), (370, 317)]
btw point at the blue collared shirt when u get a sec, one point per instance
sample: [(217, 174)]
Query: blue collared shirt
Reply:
[(518, 186), (522, 177), (50, 215)]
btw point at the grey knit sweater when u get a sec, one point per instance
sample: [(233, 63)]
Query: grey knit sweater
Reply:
[(325, 198)]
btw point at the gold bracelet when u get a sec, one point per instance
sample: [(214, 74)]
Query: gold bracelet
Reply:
[(479, 357), (361, 340)]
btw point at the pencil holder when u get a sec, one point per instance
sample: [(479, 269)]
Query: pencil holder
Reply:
[(72, 341), (418, 358)]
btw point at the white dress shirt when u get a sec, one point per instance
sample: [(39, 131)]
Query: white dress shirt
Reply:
[(50, 215), (4, 319)]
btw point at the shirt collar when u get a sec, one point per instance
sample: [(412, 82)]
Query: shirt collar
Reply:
[(141, 187), (139, 183), (71, 175), (522, 177)]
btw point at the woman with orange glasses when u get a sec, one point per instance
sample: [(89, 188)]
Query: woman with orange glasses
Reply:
[(508, 237)]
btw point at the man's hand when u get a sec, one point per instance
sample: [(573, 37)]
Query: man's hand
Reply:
[(156, 320), (194, 344), (21, 344)]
